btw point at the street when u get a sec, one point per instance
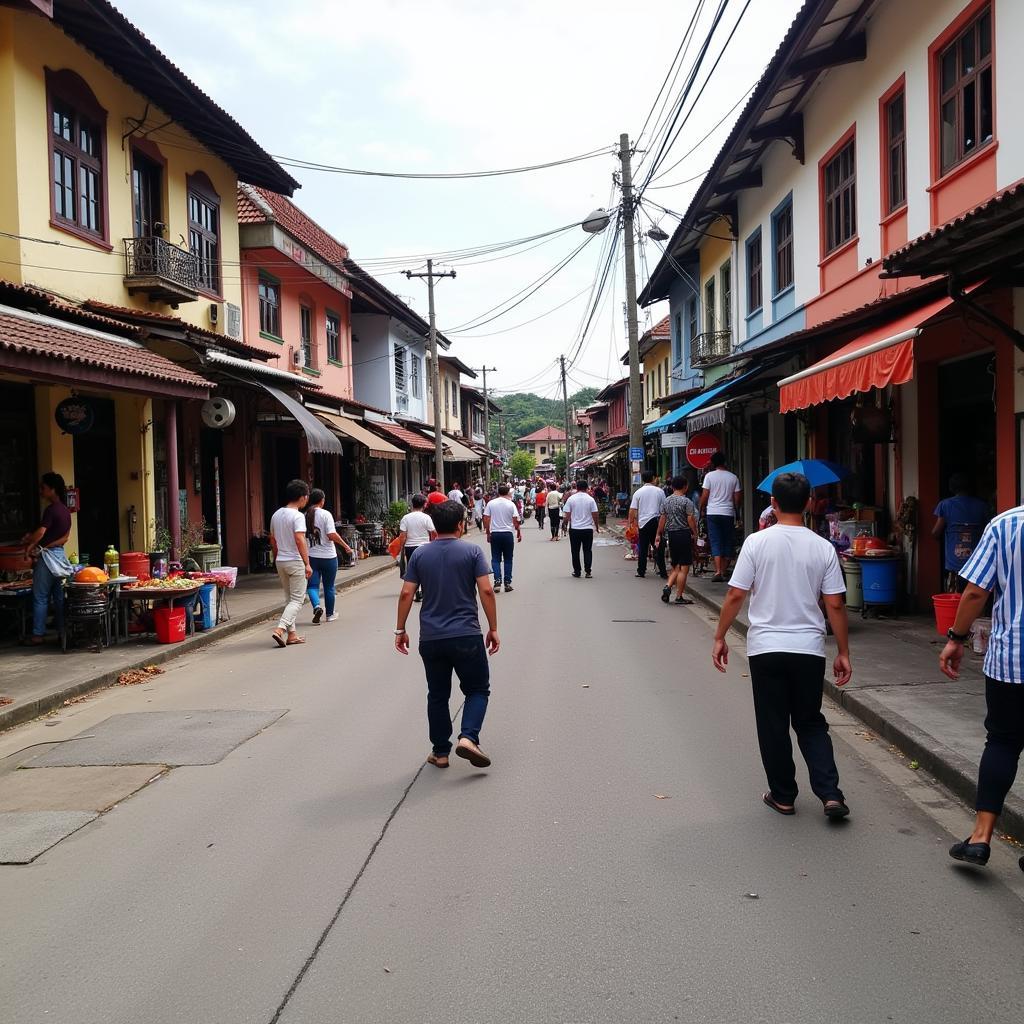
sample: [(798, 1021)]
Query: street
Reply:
[(615, 864)]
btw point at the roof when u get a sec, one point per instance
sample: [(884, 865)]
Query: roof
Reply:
[(477, 394), (660, 332), (113, 39), (385, 299), (545, 434), (37, 300), (610, 389), (408, 438), (459, 365), (262, 206)]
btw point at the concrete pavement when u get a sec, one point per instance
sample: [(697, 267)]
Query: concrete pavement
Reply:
[(615, 864)]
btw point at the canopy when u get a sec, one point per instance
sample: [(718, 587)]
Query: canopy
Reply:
[(603, 458), (876, 359), (355, 431), (455, 451), (319, 438), (670, 419)]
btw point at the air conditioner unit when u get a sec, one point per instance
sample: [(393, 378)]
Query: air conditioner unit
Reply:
[(233, 321), (214, 314)]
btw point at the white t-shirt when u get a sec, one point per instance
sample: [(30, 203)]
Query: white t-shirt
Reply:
[(721, 485), (786, 569), (648, 501), (553, 500), (580, 508), (417, 527), (503, 515), (324, 522), (455, 495), (284, 524)]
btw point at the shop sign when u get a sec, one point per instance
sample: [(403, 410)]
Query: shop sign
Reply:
[(700, 448), (75, 415), (636, 454), (676, 439)]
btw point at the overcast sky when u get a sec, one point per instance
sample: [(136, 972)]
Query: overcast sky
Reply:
[(457, 85)]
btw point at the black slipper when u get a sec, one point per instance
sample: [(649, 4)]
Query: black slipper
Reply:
[(836, 810), (770, 801)]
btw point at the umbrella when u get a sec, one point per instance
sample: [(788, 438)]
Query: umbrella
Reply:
[(818, 473)]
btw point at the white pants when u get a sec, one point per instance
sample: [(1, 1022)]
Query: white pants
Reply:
[(293, 580)]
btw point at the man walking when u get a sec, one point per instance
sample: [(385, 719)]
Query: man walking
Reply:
[(719, 503), (455, 494), (580, 512), (502, 529), (415, 530), (679, 524), (645, 514), (786, 570), (451, 574), (554, 507), (291, 557), (996, 567)]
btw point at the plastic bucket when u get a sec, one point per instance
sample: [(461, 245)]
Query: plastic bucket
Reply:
[(135, 563), (206, 607), (169, 624), (854, 589), (946, 606), (880, 580)]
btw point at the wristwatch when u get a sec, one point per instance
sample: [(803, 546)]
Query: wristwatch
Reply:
[(958, 638), (399, 632)]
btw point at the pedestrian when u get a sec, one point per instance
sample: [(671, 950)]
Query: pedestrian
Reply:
[(959, 521), (996, 567), (540, 508), (719, 503), (786, 571), (553, 503), (580, 513), (451, 575), (767, 518), (50, 565), (321, 536), (415, 530), (478, 508), (291, 557), (645, 514), (502, 529), (679, 524), (455, 494)]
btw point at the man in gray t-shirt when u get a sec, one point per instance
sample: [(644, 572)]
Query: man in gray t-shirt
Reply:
[(450, 575)]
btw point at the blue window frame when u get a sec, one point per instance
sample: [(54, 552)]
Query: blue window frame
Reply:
[(782, 247), (755, 276), (677, 338)]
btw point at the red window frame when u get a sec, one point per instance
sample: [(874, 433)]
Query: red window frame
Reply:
[(893, 149), (837, 185)]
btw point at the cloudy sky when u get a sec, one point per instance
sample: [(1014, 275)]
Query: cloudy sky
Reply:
[(460, 85)]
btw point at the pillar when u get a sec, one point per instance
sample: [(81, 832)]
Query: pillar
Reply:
[(173, 486)]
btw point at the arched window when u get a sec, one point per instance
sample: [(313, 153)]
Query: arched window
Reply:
[(204, 229)]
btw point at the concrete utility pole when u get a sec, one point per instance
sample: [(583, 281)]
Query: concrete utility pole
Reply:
[(487, 419), (565, 411), (435, 368), (636, 412)]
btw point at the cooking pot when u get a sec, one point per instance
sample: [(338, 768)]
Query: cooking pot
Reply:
[(13, 558)]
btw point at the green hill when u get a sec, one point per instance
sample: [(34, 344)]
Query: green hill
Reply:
[(524, 413)]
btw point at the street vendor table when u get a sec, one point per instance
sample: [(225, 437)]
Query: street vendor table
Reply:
[(150, 596), (18, 600)]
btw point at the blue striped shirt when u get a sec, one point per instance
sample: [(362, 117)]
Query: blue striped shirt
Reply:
[(997, 564)]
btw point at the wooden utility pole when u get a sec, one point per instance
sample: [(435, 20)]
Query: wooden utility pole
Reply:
[(636, 412), (435, 368), (565, 411), (487, 419)]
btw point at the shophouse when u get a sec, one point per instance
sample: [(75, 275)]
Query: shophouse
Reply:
[(476, 414), (655, 349)]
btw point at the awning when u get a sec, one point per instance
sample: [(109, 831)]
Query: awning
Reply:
[(603, 458), (320, 440), (711, 416), (670, 419), (876, 359), (455, 450), (355, 431), (409, 439)]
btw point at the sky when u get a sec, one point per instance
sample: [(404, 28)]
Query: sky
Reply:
[(464, 85)]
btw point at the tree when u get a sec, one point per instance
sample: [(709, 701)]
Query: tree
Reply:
[(524, 413), (521, 465), (561, 465)]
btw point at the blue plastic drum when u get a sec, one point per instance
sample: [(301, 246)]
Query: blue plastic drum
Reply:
[(880, 578)]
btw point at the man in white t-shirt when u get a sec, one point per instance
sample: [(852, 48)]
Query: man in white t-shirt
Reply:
[(502, 529), (580, 512), (415, 530), (455, 494), (719, 503), (291, 557), (645, 513), (787, 570)]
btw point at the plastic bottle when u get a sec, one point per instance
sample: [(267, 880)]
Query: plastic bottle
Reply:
[(112, 562)]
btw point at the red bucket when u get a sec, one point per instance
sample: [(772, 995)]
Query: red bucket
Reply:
[(135, 563), (169, 624), (946, 606)]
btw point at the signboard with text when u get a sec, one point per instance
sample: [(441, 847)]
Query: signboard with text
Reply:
[(636, 454), (673, 440), (699, 449)]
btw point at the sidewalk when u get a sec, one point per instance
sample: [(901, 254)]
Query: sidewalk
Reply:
[(898, 691), (38, 679)]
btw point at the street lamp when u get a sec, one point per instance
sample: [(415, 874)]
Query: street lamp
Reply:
[(596, 221)]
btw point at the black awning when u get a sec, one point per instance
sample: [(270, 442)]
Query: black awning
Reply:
[(321, 440)]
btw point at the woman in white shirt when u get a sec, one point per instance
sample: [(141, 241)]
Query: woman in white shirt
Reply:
[(321, 536)]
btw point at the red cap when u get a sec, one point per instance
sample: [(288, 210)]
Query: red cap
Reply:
[(436, 498)]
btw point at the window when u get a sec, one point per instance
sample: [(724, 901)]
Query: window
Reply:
[(895, 126), (725, 275), (414, 376), (677, 336), (400, 369), (204, 230), (965, 93), (543, 449), (709, 306), (270, 306), (332, 327), (754, 290), (782, 239), (839, 187), (306, 335), (78, 147), (691, 315)]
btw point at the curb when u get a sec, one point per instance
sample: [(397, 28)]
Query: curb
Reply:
[(956, 773), (21, 713)]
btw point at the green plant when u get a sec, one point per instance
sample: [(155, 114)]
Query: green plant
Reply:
[(396, 511), (161, 536), (521, 465), (561, 464)]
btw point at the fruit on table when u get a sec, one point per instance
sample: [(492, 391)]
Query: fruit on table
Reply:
[(90, 574)]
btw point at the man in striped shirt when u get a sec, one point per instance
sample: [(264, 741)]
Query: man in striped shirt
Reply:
[(996, 566)]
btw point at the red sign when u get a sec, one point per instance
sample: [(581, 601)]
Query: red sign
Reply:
[(699, 449)]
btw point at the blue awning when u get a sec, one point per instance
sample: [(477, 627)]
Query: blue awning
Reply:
[(670, 419)]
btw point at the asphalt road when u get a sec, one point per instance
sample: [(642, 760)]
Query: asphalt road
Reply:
[(615, 864)]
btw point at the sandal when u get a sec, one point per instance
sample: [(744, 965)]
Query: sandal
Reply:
[(771, 802), (294, 638), (278, 638)]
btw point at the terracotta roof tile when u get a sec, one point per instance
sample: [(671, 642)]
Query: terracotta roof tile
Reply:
[(292, 219), (404, 436), (545, 434)]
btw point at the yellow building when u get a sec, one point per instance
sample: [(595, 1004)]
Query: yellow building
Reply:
[(543, 444), (117, 208)]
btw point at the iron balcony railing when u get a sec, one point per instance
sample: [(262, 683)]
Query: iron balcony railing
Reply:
[(709, 346), (152, 259)]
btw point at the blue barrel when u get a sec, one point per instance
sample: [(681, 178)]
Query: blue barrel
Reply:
[(206, 606), (880, 579)]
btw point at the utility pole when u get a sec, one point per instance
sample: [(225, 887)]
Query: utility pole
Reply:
[(565, 411), (636, 412), (487, 419), (435, 369)]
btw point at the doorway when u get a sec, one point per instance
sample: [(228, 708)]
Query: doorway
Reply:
[(95, 455), (147, 192), (282, 462), (967, 425), (211, 448)]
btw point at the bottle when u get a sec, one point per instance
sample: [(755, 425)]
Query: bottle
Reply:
[(112, 562)]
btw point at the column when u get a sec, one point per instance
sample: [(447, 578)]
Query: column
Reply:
[(173, 487)]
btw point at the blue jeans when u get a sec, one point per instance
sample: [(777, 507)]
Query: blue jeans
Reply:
[(467, 657), (44, 587), (503, 549), (722, 535), (327, 570)]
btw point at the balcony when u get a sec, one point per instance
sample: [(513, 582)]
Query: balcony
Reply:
[(161, 270), (711, 345)]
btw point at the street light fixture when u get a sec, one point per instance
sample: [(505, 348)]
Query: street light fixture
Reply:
[(596, 221)]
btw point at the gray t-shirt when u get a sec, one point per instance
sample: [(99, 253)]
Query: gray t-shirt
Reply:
[(447, 571), (677, 509)]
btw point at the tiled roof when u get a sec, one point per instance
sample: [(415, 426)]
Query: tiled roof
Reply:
[(284, 212), (37, 300), (32, 334), (409, 438), (545, 434), (660, 330)]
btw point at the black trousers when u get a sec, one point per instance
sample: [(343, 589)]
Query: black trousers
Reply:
[(647, 534), (1004, 724), (787, 692), (581, 539), (554, 518)]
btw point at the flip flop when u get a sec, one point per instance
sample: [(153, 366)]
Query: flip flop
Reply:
[(775, 806), (295, 639), (278, 639)]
